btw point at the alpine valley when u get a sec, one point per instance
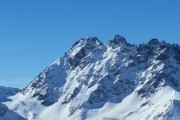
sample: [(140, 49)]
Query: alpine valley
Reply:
[(96, 81)]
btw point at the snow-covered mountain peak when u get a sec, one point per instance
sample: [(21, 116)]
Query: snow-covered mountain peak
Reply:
[(92, 79), (84, 45), (84, 48)]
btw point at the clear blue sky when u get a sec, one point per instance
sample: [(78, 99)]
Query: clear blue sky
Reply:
[(33, 33)]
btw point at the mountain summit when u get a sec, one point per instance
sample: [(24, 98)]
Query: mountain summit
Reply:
[(112, 81)]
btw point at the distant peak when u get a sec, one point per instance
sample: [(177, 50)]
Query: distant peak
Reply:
[(153, 41), (85, 45), (117, 41), (92, 39), (87, 41), (119, 37)]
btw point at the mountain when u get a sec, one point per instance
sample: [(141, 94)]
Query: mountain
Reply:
[(5, 113), (5, 92), (112, 81)]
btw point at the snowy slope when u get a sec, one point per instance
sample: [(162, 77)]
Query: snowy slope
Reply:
[(112, 81)]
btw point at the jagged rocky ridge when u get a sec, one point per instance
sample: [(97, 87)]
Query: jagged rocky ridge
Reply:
[(92, 74)]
